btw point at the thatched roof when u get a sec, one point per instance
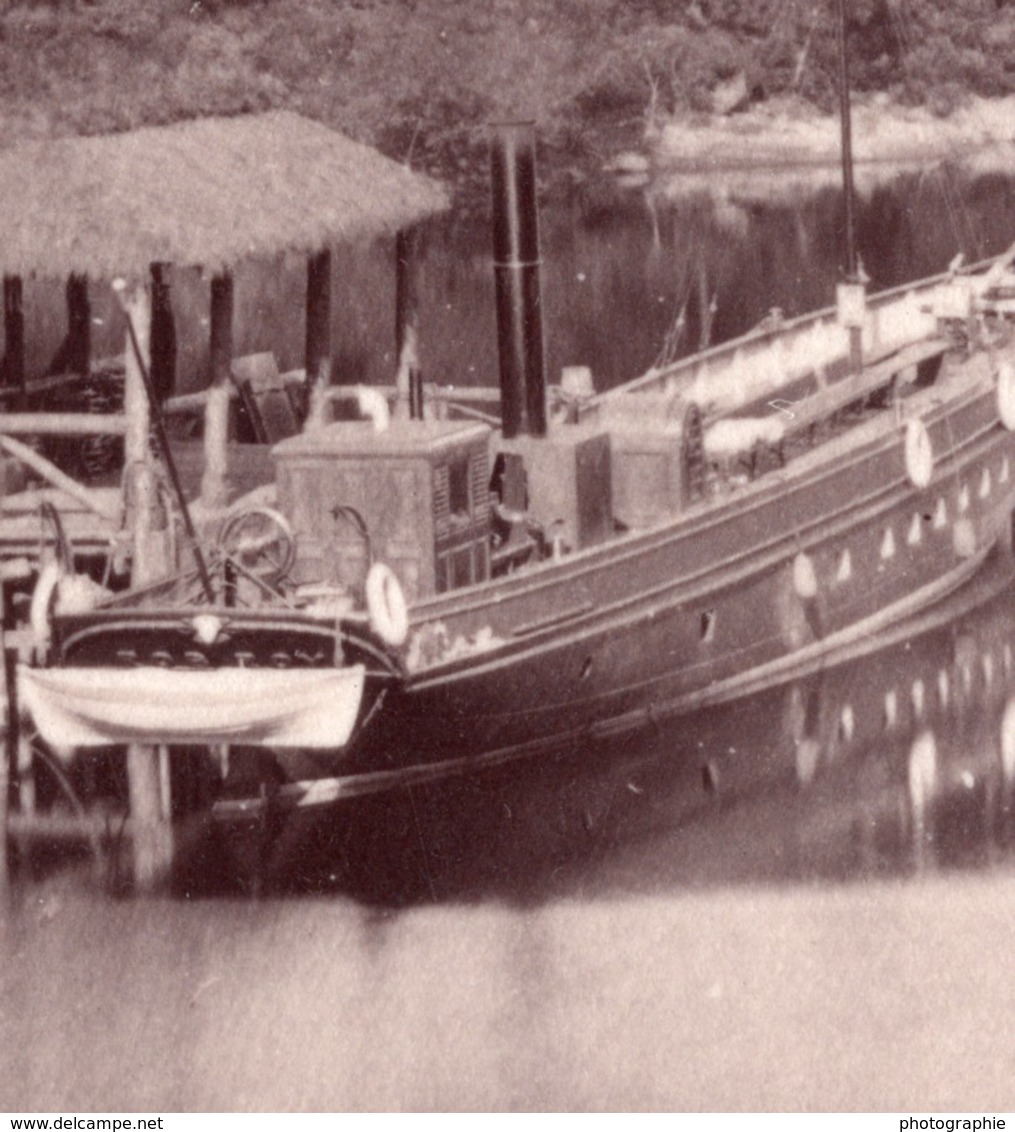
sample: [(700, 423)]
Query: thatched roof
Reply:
[(208, 192)]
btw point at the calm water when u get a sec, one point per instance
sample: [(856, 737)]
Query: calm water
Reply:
[(804, 900)]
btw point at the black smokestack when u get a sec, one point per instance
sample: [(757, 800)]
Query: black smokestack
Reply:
[(516, 274)]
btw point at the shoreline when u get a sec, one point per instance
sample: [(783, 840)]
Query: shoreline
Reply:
[(786, 149), (785, 134)]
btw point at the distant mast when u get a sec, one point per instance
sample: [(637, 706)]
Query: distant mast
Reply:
[(850, 294), (846, 127)]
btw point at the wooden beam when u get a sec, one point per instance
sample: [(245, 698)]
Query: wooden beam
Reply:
[(64, 424), (92, 500)]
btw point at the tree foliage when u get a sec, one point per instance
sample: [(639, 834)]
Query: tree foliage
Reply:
[(421, 77)]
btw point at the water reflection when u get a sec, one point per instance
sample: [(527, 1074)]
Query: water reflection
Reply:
[(623, 928), (621, 268)]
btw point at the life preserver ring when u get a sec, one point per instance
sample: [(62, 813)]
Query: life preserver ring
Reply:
[(918, 453), (1006, 394), (386, 605), (40, 611)]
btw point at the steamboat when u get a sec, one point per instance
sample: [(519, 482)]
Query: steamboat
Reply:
[(414, 587)]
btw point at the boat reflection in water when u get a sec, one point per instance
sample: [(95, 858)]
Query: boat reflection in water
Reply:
[(897, 761)]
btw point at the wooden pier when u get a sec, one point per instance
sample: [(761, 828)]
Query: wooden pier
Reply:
[(210, 193)]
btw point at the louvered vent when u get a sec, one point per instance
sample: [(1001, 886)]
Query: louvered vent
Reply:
[(480, 488), (441, 505)]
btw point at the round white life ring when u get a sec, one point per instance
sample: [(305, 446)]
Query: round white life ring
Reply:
[(918, 453), (386, 605), (41, 608), (1006, 394)]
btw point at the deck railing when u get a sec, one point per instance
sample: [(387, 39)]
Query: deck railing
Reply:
[(736, 372)]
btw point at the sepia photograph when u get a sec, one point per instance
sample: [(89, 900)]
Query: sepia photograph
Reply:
[(507, 559)]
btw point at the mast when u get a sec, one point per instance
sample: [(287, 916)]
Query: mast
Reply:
[(851, 294), (846, 127)]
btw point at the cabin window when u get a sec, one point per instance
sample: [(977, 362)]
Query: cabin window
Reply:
[(458, 488), (461, 568), (453, 493)]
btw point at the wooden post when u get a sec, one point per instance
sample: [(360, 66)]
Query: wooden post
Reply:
[(146, 550), (163, 334), (152, 833), (216, 412), (407, 377), (152, 837), (79, 325), (14, 338), (147, 545), (75, 353), (318, 339), (137, 307)]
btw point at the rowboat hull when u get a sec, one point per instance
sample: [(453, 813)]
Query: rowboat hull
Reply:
[(94, 707)]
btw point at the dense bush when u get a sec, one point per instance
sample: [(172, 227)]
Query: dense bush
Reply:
[(420, 77)]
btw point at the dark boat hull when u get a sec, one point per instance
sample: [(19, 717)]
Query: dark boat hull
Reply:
[(701, 610), (765, 578)]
